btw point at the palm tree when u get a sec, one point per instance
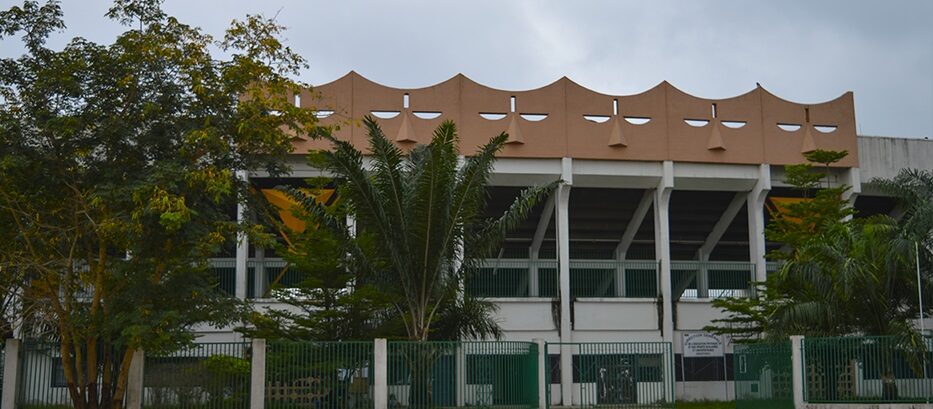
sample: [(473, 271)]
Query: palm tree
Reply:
[(423, 225)]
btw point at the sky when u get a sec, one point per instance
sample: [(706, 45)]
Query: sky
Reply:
[(801, 50)]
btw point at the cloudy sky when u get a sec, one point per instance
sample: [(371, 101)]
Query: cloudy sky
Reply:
[(805, 51)]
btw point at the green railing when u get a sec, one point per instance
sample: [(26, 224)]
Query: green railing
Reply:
[(712, 279), (275, 273), (513, 278), (42, 378), (224, 269), (772, 267), (763, 376), (866, 369), (319, 375), (614, 278), (202, 376), (615, 375), (458, 374)]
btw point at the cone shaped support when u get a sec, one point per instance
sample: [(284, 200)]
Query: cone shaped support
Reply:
[(715, 142), (809, 144), (515, 131), (616, 137), (406, 133)]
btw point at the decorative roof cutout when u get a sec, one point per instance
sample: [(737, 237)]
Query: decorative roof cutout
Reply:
[(825, 128), (697, 123), (596, 118), (734, 124), (492, 116), (427, 114), (789, 127), (385, 114), (534, 117), (637, 120)]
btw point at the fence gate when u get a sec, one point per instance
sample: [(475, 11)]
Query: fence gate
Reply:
[(612, 374), (763, 376)]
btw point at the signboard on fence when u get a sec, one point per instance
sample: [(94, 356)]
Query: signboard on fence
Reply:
[(703, 344)]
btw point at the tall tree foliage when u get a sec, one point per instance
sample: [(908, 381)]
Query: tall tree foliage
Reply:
[(840, 275), (421, 226), (116, 176)]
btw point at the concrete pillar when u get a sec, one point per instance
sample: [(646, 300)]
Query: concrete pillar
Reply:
[(563, 249), (703, 276), (662, 246), (854, 180), (620, 274), (756, 222), (380, 373), (242, 248), (460, 385), (134, 381), (796, 359), (259, 273), (543, 395), (257, 376), (10, 373)]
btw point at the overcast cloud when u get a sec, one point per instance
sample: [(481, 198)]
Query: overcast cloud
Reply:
[(804, 51)]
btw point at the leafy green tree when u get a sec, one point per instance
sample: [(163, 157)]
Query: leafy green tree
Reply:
[(421, 225), (117, 177), (328, 304), (421, 230), (840, 276)]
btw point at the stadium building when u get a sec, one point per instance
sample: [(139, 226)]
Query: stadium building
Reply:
[(662, 209)]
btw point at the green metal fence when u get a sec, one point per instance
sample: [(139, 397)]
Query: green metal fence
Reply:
[(42, 379), (319, 375), (614, 278), (712, 279), (224, 270), (204, 375), (614, 374), (513, 277), (763, 376), (866, 369), (457, 374)]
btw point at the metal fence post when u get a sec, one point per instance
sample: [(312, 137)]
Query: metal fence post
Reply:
[(543, 396), (380, 369), (796, 359), (134, 382), (257, 380), (10, 373)]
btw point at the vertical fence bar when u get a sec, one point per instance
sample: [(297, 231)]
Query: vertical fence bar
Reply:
[(319, 374), (41, 380), (204, 375)]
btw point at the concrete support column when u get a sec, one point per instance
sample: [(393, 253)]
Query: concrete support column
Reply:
[(543, 395), (257, 378), (461, 363), (10, 373), (563, 256), (756, 222), (854, 180), (259, 273), (380, 374), (134, 381), (242, 248), (796, 359), (662, 246), (620, 274), (703, 276)]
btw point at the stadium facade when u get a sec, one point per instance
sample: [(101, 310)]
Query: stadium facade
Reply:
[(662, 206)]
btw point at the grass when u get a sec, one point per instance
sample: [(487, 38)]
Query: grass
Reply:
[(704, 404)]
